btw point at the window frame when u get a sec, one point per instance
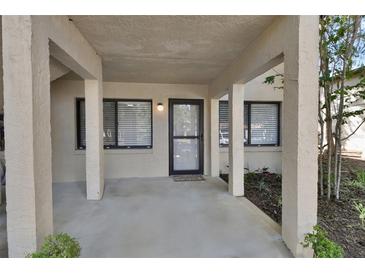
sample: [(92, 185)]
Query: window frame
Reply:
[(116, 146), (248, 105)]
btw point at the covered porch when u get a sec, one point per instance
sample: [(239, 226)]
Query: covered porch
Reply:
[(96, 60), (175, 219)]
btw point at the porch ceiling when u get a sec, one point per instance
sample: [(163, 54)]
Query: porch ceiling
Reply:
[(168, 49)]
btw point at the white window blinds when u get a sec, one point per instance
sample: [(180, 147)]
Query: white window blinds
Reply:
[(264, 124), (223, 123), (109, 123), (261, 123), (134, 124), (127, 124)]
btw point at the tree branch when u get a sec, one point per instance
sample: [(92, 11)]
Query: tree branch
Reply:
[(348, 136)]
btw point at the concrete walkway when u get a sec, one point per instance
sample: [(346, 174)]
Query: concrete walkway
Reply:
[(157, 217)]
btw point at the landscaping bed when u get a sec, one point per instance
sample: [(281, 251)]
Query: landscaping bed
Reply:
[(339, 218)]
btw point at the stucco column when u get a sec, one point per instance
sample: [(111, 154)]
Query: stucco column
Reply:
[(300, 131), (214, 137), (27, 133), (236, 96), (94, 139)]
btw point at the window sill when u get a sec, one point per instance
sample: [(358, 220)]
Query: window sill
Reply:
[(256, 149), (119, 151)]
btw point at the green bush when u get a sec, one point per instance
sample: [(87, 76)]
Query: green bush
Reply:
[(58, 246), (322, 246), (360, 208), (359, 181)]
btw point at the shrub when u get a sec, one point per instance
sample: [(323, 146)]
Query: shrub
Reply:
[(58, 246), (360, 208), (262, 178), (322, 246), (359, 181)]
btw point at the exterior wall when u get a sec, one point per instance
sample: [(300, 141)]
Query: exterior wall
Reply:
[(356, 142), (258, 157), (69, 163), (27, 43)]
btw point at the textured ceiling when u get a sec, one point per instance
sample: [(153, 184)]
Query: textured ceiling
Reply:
[(168, 49)]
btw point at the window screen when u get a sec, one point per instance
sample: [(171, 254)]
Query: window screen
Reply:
[(264, 124), (261, 123), (127, 124), (245, 126), (223, 123), (134, 124), (109, 123)]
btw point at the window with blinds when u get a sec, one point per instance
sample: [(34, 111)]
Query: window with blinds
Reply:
[(127, 123), (264, 124), (134, 124), (223, 123), (109, 112), (261, 123)]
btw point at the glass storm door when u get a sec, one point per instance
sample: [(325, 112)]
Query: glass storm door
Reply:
[(185, 136)]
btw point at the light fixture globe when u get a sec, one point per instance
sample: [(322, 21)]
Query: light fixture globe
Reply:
[(160, 107)]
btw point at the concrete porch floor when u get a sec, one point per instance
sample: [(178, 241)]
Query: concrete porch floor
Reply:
[(156, 217)]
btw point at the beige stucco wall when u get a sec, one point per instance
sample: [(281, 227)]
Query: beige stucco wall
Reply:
[(259, 157), (69, 164), (356, 142)]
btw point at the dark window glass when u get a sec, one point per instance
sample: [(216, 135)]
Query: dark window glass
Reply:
[(81, 127)]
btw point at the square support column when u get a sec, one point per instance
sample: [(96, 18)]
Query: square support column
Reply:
[(300, 133), (27, 133), (236, 150), (94, 139), (214, 137)]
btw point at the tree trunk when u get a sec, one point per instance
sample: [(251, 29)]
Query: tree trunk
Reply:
[(321, 123), (348, 53), (329, 169)]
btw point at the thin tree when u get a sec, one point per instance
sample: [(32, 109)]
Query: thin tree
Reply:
[(341, 43)]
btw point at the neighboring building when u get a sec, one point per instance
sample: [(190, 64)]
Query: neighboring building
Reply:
[(355, 145), (89, 98)]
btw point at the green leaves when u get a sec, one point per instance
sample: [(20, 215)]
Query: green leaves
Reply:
[(322, 246), (270, 80), (58, 246), (360, 208)]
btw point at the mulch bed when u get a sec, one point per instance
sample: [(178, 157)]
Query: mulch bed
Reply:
[(338, 218), (264, 190)]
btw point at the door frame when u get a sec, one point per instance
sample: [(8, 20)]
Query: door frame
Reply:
[(199, 102)]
